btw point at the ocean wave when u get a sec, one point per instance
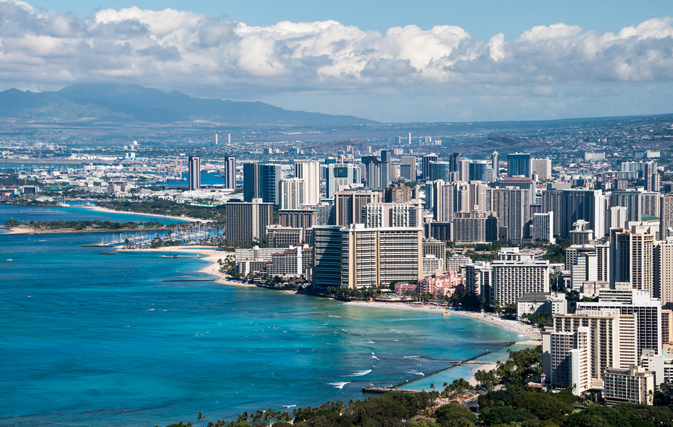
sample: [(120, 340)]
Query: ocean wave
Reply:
[(360, 373), (374, 357), (335, 316), (339, 385), (419, 373), (411, 357), (293, 406)]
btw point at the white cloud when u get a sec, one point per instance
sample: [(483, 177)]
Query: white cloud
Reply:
[(178, 49)]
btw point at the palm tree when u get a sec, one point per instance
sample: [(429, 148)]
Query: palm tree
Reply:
[(201, 417)]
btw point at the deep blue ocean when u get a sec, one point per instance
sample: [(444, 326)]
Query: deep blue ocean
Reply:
[(101, 340)]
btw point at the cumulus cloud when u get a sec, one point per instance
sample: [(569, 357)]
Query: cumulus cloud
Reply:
[(172, 48)]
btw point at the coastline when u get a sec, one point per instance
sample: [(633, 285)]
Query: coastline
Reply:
[(209, 254), (25, 230), (531, 334), (182, 218)]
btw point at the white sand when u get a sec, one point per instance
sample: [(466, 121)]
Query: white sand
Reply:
[(183, 218), (524, 330), (397, 306), (485, 367)]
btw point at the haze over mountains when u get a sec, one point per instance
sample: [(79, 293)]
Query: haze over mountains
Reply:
[(120, 103)]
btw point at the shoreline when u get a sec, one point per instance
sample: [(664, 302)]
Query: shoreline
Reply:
[(209, 254), (182, 218), (24, 230), (525, 331), (529, 335)]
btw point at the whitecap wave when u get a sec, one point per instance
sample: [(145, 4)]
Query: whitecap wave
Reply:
[(374, 357), (335, 316), (419, 373), (411, 357), (289, 406), (360, 373), (339, 385)]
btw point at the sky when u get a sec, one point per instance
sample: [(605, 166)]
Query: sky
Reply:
[(390, 61)]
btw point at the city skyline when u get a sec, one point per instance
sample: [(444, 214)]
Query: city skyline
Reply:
[(437, 62)]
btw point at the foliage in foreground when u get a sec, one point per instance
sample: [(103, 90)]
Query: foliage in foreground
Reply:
[(512, 406)]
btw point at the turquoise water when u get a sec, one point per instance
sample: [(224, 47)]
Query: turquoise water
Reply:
[(28, 213), (101, 340), (462, 371)]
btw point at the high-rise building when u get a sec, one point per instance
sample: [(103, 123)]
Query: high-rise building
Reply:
[(478, 171), (542, 168), (630, 302), (230, 172), (575, 204), (385, 168), (261, 181), (542, 229), (349, 204), (247, 221), (194, 173), (631, 259), (631, 200), (580, 235), (278, 236), (519, 164), (440, 170), (326, 256), (497, 201), (340, 176), (309, 172), (443, 205), (299, 218), (514, 279), (567, 359), (377, 215), (408, 168), (666, 213), (495, 165), (519, 213), (400, 193), (474, 227), (436, 248), (425, 166), (454, 160), (379, 256), (651, 204), (292, 193), (373, 171), (663, 272)]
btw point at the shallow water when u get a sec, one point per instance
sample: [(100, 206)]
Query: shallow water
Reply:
[(91, 339)]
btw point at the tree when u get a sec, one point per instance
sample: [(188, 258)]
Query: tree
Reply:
[(455, 415), (200, 417)]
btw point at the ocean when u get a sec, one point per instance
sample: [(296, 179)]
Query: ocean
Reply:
[(103, 340)]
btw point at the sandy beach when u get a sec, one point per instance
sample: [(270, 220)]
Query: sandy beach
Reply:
[(532, 335), (209, 254), (183, 218), (397, 306), (28, 230), (524, 330)]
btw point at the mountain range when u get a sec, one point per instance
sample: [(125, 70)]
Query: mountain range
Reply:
[(121, 103)]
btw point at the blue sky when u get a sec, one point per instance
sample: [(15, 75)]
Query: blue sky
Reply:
[(480, 18), (388, 61)]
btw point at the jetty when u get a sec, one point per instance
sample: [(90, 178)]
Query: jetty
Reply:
[(471, 361)]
